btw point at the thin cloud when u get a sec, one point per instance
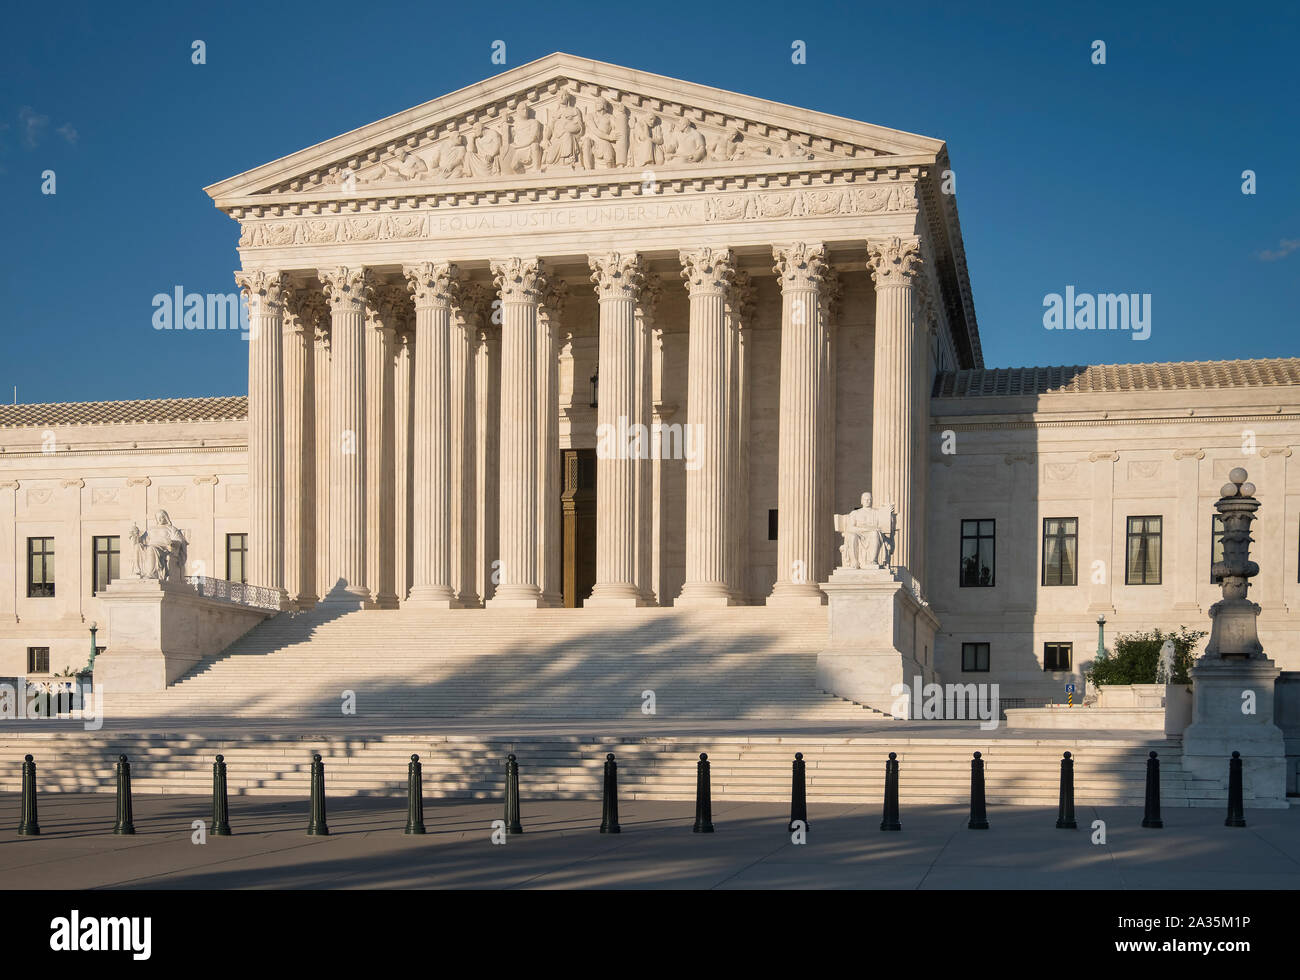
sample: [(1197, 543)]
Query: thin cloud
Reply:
[(68, 133), (1285, 247), (33, 126)]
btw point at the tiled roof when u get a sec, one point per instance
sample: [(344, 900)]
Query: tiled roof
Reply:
[(230, 408), (985, 382)]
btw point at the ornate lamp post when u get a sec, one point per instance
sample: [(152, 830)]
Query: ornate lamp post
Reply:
[(90, 665), (1233, 680), (1101, 636), (1234, 635)]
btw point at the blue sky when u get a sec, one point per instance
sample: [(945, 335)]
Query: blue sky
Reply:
[(1123, 177)]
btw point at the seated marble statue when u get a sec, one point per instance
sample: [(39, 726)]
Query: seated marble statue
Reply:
[(160, 553), (868, 535)]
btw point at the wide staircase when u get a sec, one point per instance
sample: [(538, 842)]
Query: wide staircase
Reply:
[(747, 662), (1108, 772)]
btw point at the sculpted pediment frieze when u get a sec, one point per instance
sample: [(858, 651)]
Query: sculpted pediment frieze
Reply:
[(567, 129), (564, 121)]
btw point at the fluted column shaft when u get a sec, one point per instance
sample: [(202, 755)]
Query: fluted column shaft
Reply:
[(381, 456), (433, 286), (487, 387), (404, 435), (618, 279), (321, 413), (521, 283), (645, 461), (800, 269), (894, 265), (348, 291), (551, 316), (464, 339), (265, 293), (303, 313), (708, 273)]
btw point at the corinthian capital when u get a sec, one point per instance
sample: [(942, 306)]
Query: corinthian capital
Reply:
[(473, 300), (617, 275), (348, 290), (555, 298), (894, 261), (306, 312), (389, 308), (800, 265), (264, 290), (519, 280), (708, 270), (433, 285)]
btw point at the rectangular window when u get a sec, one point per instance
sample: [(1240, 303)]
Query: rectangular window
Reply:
[(38, 660), (977, 553), (1142, 564), (771, 524), (975, 658), (40, 568), (1216, 544), (236, 554), (107, 557), (1057, 656), (1060, 551)]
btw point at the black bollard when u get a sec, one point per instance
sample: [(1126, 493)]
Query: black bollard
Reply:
[(979, 818), (1065, 810), (28, 826), (513, 826), (889, 820), (414, 797), (316, 826), (124, 824), (798, 794), (609, 806), (1151, 815), (220, 810), (703, 797), (1236, 806)]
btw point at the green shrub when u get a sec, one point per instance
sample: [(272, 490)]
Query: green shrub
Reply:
[(1137, 655)]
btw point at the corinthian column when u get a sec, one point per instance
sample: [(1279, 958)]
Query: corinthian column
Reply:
[(305, 310), (521, 283), (464, 454), (708, 273), (348, 291), (548, 442), (800, 269), (618, 279), (383, 315), (646, 461), (322, 444), (895, 264), (434, 286), (265, 292), (487, 391)]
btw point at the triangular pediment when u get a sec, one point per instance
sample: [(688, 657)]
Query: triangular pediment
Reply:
[(566, 120)]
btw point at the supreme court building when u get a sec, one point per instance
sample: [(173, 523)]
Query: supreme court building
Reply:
[(579, 335)]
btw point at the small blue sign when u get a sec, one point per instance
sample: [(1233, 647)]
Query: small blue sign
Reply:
[(1069, 688)]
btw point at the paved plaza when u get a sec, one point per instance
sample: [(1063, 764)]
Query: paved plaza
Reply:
[(561, 847)]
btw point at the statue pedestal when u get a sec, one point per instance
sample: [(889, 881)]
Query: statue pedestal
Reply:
[(880, 635), (1219, 728), (159, 630)]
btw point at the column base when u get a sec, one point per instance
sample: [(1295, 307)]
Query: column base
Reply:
[(516, 597), (614, 594), (431, 597), (705, 594), (552, 600), (357, 597), (387, 601), (792, 594)]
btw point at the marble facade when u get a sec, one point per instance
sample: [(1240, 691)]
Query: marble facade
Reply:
[(446, 302)]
